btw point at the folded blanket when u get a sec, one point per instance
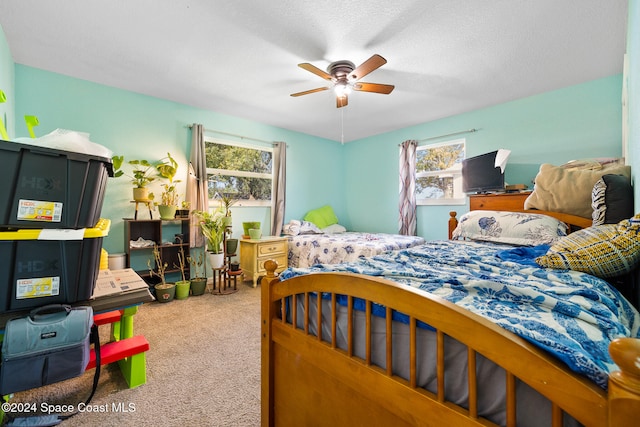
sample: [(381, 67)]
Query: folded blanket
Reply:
[(525, 255)]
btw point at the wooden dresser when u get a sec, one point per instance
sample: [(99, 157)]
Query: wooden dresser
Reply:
[(254, 252), (498, 201)]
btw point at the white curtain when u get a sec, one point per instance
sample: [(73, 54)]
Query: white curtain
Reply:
[(197, 191), (279, 187), (407, 205)]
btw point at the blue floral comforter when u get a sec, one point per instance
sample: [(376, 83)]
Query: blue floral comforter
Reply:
[(570, 314)]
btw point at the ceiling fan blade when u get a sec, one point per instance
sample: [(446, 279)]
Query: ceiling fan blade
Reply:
[(373, 87), (341, 101), (315, 70), (307, 92), (371, 64)]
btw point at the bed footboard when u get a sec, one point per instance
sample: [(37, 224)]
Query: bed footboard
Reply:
[(308, 380)]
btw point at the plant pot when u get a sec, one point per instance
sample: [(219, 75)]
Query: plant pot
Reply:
[(232, 246), (248, 225), (182, 289), (216, 260), (198, 286), (182, 213), (167, 212), (141, 194), (255, 233), (166, 292)]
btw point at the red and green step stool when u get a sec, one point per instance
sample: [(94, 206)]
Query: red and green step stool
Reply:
[(125, 348)]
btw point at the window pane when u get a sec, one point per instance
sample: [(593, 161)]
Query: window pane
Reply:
[(434, 187), (239, 188), (240, 172), (438, 170), (439, 158), (230, 157)]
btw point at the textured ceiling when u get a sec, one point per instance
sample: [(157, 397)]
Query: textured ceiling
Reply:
[(240, 57)]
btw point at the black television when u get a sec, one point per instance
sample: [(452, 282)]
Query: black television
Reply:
[(481, 175)]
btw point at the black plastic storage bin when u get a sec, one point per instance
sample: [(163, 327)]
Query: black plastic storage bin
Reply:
[(36, 272), (49, 188)]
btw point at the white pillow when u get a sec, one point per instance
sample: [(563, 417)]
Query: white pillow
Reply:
[(514, 228), (291, 229), (334, 229), (309, 228)]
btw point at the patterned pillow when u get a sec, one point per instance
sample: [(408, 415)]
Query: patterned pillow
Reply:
[(603, 250), (514, 228), (612, 199)]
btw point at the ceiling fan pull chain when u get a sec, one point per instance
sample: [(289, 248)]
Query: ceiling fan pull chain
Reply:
[(342, 126)]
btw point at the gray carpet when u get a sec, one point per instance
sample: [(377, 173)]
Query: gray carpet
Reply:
[(203, 368)]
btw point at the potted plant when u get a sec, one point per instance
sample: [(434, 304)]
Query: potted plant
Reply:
[(183, 212), (164, 291), (213, 229), (248, 225), (199, 281), (168, 204), (141, 176), (226, 202), (231, 246), (182, 286)]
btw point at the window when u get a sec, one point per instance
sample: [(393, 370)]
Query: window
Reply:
[(238, 170), (439, 173)]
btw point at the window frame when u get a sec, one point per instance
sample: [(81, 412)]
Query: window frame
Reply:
[(457, 176), (213, 203)]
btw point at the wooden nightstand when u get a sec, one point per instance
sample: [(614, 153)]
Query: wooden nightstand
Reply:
[(253, 254), (498, 201)]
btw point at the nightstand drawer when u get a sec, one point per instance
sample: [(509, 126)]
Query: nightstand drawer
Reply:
[(281, 259), (272, 248)]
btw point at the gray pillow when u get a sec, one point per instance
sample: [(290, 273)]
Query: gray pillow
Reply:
[(612, 199)]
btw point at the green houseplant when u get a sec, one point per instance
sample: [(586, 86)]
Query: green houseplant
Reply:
[(226, 201), (167, 169), (183, 211), (165, 292), (141, 175), (199, 279), (213, 228), (182, 286)]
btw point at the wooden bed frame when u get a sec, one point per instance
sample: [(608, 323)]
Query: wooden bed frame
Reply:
[(308, 381)]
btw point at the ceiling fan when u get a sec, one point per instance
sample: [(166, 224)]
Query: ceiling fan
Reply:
[(345, 77)]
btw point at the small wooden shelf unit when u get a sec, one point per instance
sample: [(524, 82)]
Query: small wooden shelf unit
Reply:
[(163, 233)]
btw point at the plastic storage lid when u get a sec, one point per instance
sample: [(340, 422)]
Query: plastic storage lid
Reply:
[(68, 140), (100, 230)]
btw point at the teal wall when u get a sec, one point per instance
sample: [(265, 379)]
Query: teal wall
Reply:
[(139, 126), (581, 121), (633, 91), (358, 179), (6, 85)]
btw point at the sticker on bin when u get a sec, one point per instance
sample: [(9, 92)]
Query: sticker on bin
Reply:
[(37, 210), (38, 287)]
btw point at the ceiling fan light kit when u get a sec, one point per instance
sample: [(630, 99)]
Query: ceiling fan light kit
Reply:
[(345, 76)]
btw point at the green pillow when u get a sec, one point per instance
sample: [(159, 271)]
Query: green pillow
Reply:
[(322, 217), (607, 250)]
